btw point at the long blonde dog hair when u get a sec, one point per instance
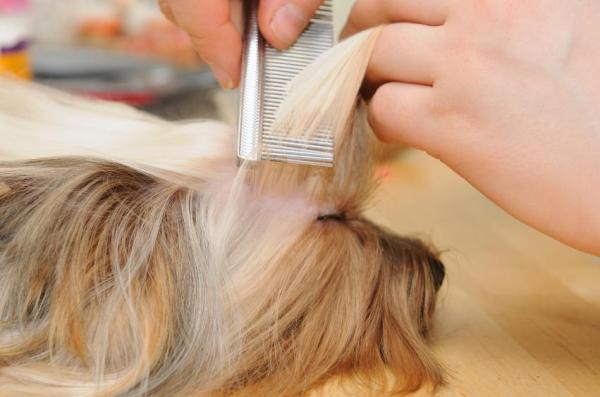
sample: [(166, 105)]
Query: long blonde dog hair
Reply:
[(137, 259)]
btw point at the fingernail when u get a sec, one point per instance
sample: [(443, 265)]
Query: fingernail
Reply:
[(222, 77), (287, 23)]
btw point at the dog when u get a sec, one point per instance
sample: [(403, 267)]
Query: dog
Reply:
[(138, 259)]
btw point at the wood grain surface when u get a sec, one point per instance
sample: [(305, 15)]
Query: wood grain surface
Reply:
[(519, 314)]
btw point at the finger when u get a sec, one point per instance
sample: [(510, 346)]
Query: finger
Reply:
[(209, 23), (282, 21), (405, 52), (401, 113), (165, 8), (369, 13)]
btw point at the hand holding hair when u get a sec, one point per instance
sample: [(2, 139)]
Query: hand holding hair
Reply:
[(504, 92), (215, 28)]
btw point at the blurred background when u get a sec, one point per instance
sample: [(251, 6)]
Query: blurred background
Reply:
[(122, 50)]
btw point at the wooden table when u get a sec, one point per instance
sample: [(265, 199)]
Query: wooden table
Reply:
[(519, 314)]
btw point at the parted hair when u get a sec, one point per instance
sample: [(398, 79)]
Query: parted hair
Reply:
[(138, 259)]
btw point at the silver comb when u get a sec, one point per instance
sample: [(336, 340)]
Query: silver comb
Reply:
[(266, 73)]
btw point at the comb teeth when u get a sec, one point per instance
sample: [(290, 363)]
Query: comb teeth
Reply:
[(266, 75)]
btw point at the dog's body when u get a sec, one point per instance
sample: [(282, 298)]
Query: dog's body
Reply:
[(137, 259)]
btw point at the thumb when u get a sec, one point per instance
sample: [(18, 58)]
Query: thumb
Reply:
[(282, 21)]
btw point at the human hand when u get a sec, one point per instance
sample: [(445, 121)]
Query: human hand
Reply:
[(215, 28), (505, 92)]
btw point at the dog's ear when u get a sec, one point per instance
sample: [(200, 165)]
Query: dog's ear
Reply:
[(399, 318)]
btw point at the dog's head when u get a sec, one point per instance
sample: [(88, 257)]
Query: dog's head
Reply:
[(324, 291)]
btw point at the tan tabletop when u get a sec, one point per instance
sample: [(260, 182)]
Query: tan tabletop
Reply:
[(519, 314)]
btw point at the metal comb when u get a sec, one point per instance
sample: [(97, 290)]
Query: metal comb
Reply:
[(266, 73)]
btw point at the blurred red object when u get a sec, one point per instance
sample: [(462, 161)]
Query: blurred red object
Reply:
[(130, 98), (136, 27), (100, 30), (163, 39)]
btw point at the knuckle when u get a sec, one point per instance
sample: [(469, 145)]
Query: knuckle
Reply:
[(389, 8), (379, 111), (377, 105), (458, 45), (205, 40), (358, 15), (466, 55), (440, 107), (201, 45), (308, 6), (312, 5), (500, 12), (165, 8)]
